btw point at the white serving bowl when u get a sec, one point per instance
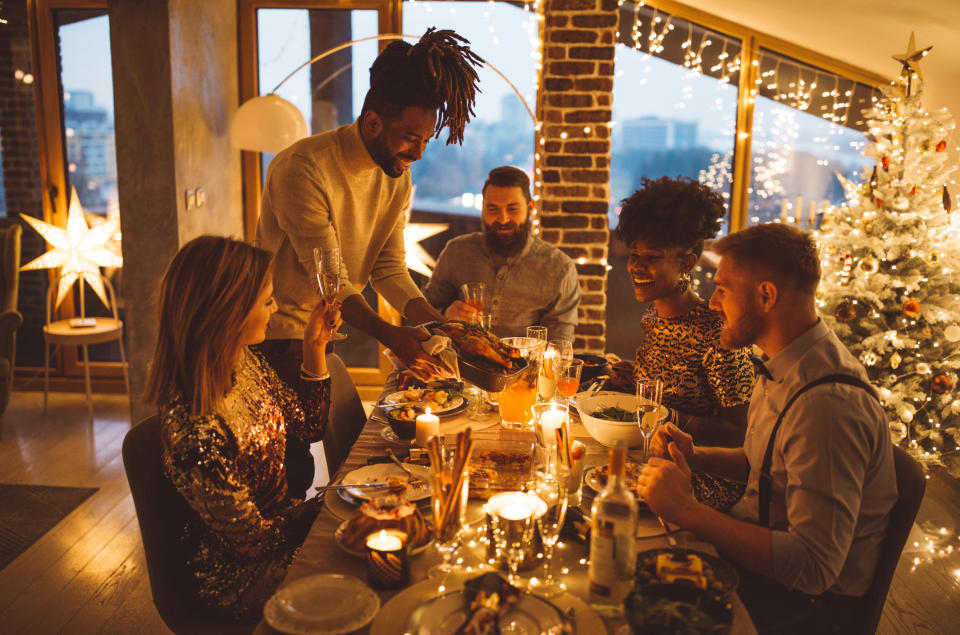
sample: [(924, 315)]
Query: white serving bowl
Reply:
[(610, 432)]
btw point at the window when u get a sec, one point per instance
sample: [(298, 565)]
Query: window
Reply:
[(807, 128), (675, 114), (449, 178)]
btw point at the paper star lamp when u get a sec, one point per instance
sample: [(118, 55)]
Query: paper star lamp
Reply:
[(910, 59), (78, 250), (417, 257)]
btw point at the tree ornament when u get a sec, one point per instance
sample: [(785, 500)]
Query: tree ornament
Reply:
[(869, 358), (933, 257), (925, 145), (885, 162), (911, 308), (895, 360), (868, 227), (941, 384), (869, 265), (873, 180), (879, 203), (845, 312), (913, 190), (923, 368), (952, 333), (941, 145), (926, 332), (946, 199)]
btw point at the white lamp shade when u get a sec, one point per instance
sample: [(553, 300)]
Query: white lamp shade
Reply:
[(267, 124)]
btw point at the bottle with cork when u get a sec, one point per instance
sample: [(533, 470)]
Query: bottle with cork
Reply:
[(613, 547)]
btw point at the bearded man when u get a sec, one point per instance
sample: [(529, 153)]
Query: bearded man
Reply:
[(527, 281)]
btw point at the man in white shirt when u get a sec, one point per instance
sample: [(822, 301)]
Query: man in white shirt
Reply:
[(817, 457)]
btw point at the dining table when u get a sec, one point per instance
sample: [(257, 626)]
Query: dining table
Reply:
[(321, 553)]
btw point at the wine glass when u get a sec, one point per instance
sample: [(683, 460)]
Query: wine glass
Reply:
[(512, 532), (568, 378), (649, 392), (473, 298), (327, 263), (537, 332), (551, 488), (564, 349)]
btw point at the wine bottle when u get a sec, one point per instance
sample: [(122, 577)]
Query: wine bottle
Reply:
[(613, 549)]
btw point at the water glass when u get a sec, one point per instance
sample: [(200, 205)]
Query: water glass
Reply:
[(537, 332), (649, 393)]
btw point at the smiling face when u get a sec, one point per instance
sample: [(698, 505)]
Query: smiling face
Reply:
[(396, 142), (654, 271), (505, 215), (736, 296), (255, 326)]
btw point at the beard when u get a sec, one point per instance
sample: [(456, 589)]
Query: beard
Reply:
[(506, 244), (744, 331), (389, 163)]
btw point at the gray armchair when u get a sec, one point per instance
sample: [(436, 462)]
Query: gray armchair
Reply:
[(10, 318)]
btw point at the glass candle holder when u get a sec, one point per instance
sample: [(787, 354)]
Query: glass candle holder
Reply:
[(388, 561)]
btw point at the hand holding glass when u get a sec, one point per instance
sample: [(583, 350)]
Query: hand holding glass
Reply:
[(327, 263), (649, 393), (473, 298)]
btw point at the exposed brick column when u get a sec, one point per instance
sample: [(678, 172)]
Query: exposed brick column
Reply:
[(574, 159)]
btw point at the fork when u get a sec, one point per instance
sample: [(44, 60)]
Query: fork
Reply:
[(415, 481)]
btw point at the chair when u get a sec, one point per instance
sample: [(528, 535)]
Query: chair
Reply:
[(10, 318), (82, 331), (911, 483), (161, 513), (347, 416)]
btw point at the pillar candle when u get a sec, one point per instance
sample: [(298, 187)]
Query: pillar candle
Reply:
[(428, 425)]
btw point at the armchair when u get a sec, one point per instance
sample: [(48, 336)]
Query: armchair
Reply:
[(10, 318)]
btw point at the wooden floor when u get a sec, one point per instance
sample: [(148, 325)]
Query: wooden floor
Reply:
[(88, 575)]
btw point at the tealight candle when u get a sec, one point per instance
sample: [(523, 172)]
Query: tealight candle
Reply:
[(388, 564), (515, 511), (428, 425)]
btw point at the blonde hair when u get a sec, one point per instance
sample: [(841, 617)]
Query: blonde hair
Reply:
[(206, 296)]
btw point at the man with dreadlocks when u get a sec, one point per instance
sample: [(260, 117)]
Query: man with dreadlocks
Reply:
[(350, 187)]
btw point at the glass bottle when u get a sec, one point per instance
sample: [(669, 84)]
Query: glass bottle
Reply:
[(613, 548)]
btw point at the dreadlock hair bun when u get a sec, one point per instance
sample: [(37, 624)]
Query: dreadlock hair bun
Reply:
[(436, 73), (668, 213)]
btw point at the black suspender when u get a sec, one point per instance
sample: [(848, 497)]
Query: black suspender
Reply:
[(766, 480)]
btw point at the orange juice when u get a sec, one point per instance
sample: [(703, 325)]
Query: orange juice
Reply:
[(567, 386), (516, 401)]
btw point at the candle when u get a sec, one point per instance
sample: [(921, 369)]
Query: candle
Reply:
[(428, 425), (388, 563), (515, 511), (550, 422), (383, 541)]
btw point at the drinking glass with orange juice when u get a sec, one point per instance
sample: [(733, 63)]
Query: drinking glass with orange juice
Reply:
[(473, 297), (568, 377)]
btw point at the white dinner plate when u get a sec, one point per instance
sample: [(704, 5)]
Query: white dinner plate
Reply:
[(382, 473), (447, 613), (323, 603), (594, 476), (398, 398)]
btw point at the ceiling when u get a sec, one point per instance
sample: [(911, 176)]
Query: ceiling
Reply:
[(863, 33)]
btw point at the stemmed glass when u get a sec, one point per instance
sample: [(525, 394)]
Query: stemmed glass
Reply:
[(568, 378), (328, 266), (649, 393), (537, 332), (512, 532), (551, 488)]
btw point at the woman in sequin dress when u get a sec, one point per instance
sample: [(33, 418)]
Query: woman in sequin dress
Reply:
[(706, 386), (226, 418)]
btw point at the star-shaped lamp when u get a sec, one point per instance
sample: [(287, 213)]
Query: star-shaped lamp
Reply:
[(417, 257), (910, 59), (78, 250)]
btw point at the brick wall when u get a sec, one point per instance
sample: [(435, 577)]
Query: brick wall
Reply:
[(574, 156), (21, 172)]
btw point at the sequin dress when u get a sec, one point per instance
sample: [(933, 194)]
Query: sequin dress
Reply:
[(229, 466), (699, 377)]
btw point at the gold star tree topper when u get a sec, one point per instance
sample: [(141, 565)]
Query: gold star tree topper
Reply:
[(910, 59), (79, 251)]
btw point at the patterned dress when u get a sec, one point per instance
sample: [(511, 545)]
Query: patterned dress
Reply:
[(228, 465), (699, 377)]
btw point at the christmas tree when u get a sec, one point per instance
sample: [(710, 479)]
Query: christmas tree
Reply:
[(891, 259)]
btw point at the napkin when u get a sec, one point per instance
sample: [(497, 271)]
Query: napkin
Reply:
[(439, 346)]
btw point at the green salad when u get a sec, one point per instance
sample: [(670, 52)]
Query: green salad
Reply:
[(613, 413), (670, 616)]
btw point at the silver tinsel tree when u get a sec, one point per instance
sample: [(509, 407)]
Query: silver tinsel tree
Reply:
[(891, 260)]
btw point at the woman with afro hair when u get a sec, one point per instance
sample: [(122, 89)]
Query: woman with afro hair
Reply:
[(706, 387)]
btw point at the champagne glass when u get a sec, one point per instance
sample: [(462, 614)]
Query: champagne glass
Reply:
[(649, 392), (327, 263), (473, 298), (537, 332), (551, 488)]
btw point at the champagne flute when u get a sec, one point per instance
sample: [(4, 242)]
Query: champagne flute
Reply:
[(327, 263), (649, 393), (551, 488)]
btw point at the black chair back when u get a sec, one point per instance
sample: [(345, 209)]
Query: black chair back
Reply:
[(161, 513), (347, 416), (911, 483)]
